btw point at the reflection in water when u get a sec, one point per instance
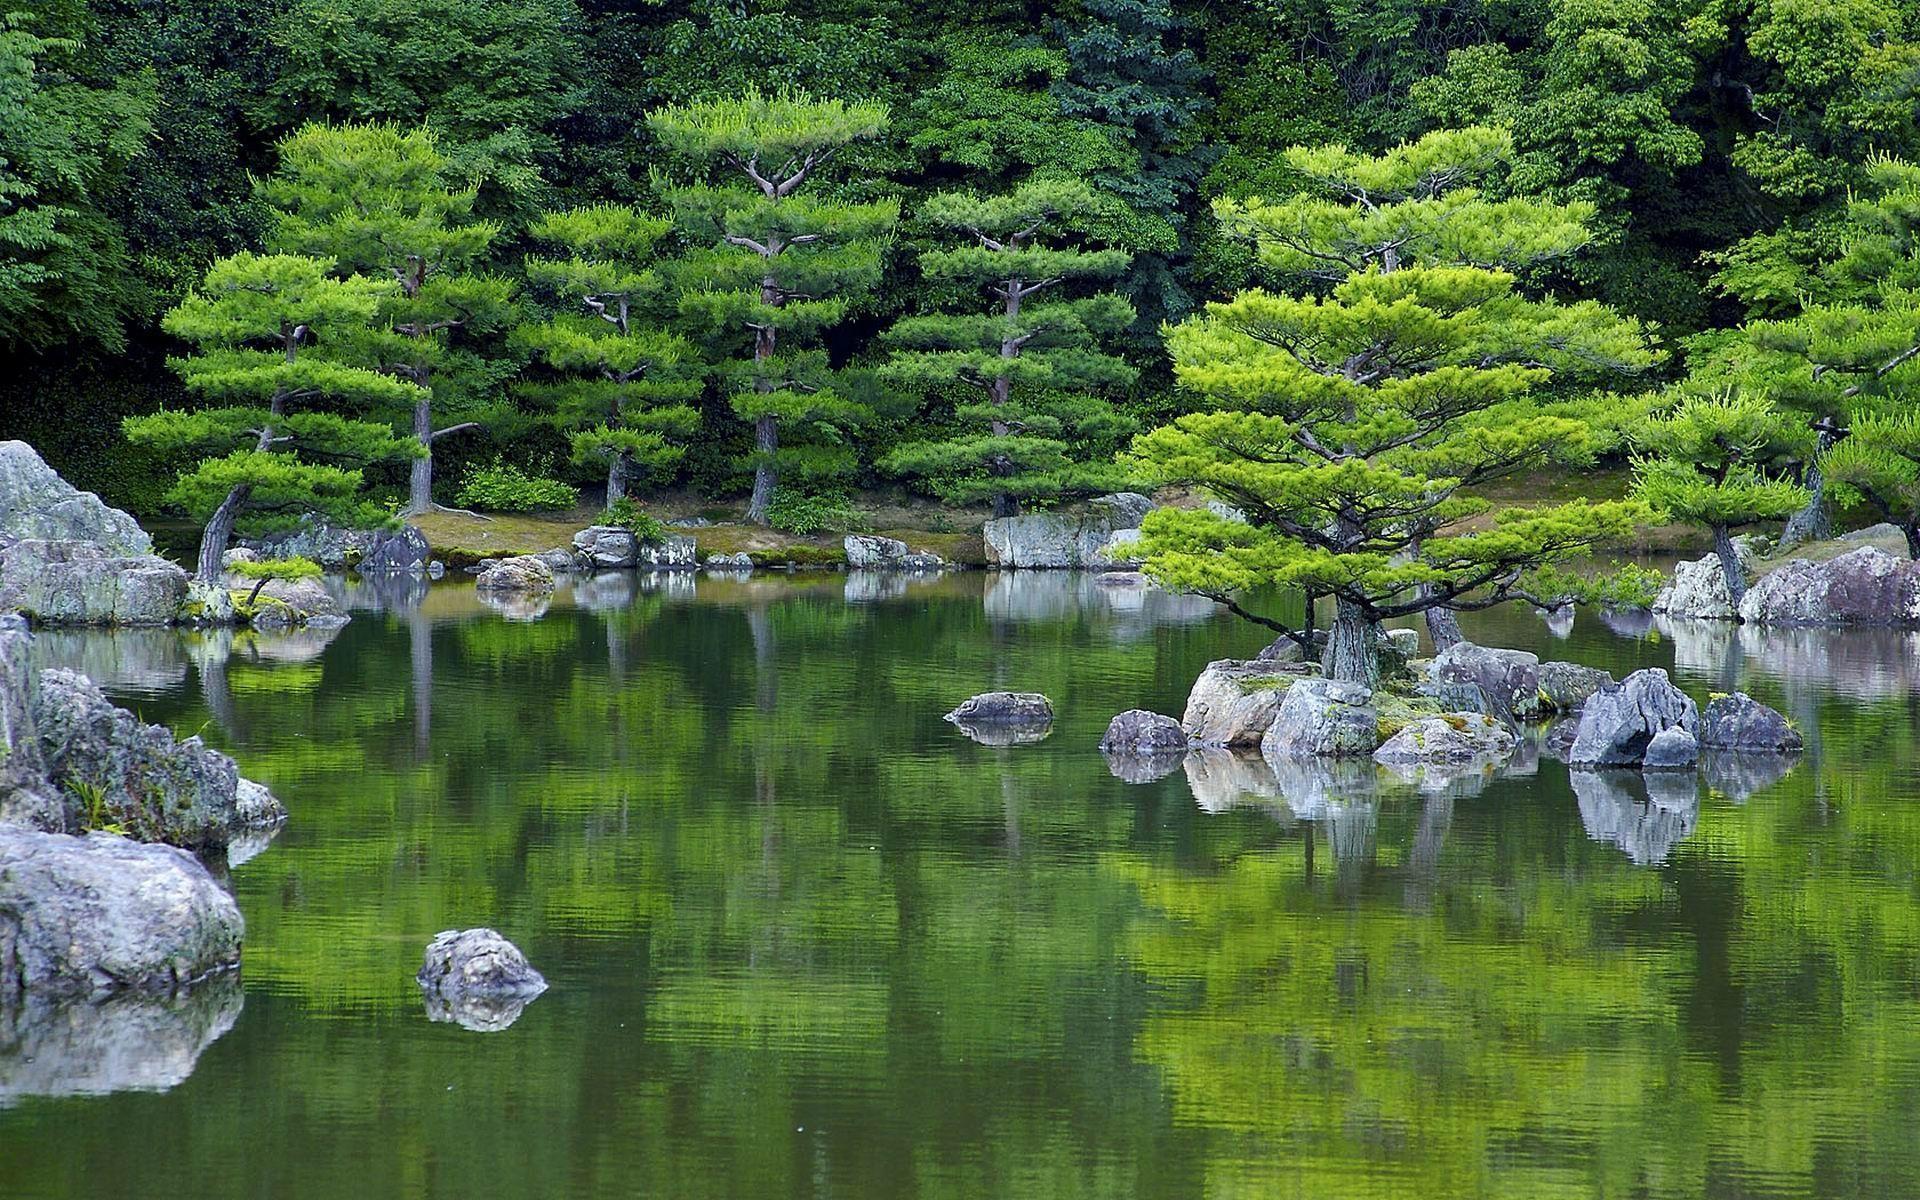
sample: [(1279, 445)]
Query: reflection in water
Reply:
[(127, 1043), (479, 1014), (806, 941)]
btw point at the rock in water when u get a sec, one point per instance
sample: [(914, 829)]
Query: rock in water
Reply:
[(1234, 701), (1064, 538), (95, 915), (730, 562), (1138, 731), (477, 979), (523, 574), (1323, 718), (291, 604), (612, 547), (1739, 722), (873, 553), (84, 583), (1449, 738), (37, 505), (1672, 749), (1618, 723), (1003, 708), (1509, 679), (1861, 587), (1565, 686)]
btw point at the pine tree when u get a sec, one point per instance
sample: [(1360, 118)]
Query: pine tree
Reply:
[(1351, 428), (780, 265), (629, 382), (1034, 354), (1724, 461), (371, 197), (1878, 462), (265, 329)]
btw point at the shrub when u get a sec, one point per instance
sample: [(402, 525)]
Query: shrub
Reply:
[(629, 516), (803, 514), (500, 486)]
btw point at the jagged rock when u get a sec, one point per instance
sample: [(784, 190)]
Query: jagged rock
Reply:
[(1508, 679), (1233, 702), (133, 1041), (1618, 722), (83, 583), (396, 550), (1672, 749), (231, 558), (611, 547), (1449, 738), (27, 796), (1698, 588), (478, 979), (1003, 708), (867, 552), (1066, 537), (95, 915), (1323, 718), (1867, 586), (1645, 830), (1565, 686), (1739, 722), (37, 505), (730, 562), (1138, 731), (335, 549), (522, 574)]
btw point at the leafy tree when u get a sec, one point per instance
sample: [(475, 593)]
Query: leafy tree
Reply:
[(780, 262), (1723, 461), (265, 329), (1033, 354), (370, 197), (630, 383), (1350, 429), (63, 270), (1879, 462)]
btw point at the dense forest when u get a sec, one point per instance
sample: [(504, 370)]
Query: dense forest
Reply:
[(780, 251)]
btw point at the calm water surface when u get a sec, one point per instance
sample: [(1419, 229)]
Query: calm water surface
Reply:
[(807, 940)]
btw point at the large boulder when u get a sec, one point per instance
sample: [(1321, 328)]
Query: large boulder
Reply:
[(37, 505), (1867, 586), (27, 796), (1323, 718), (1448, 738), (1234, 701), (95, 915), (868, 552), (1072, 537), (1565, 686), (85, 583), (1672, 749), (400, 550), (333, 547), (522, 575), (612, 547), (1618, 723), (1743, 724), (1138, 731), (1508, 679), (1697, 589), (288, 603)]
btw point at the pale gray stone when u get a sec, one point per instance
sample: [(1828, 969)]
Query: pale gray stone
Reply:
[(1323, 718), (37, 505)]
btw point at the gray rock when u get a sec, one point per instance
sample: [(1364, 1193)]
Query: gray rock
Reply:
[(611, 547), (1698, 588), (1739, 722), (1138, 731), (27, 796), (1508, 679), (867, 552), (37, 505), (690, 523), (1861, 587), (207, 605), (559, 561), (1226, 512), (334, 548), (1672, 749), (1121, 550), (1233, 702), (396, 550), (1003, 708), (730, 562), (83, 583), (522, 575), (233, 557), (133, 1041), (1323, 718), (95, 915), (292, 604), (1463, 737), (478, 979), (1617, 723), (1565, 687), (1066, 537)]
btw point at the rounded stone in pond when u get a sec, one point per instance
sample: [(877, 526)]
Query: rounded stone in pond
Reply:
[(1138, 731), (478, 962)]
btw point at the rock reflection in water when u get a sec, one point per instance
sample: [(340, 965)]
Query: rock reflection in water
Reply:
[(1739, 776), (605, 591), (127, 1043), (1038, 596), (481, 1014), (517, 606), (1645, 814), (1456, 780), (1005, 733), (1143, 768)]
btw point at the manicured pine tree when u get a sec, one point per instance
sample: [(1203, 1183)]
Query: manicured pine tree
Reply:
[(1878, 462), (780, 263), (266, 329), (1724, 461), (1041, 429), (373, 198), (1352, 427), (629, 382)]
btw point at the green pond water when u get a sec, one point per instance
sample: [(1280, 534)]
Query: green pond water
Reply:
[(805, 939)]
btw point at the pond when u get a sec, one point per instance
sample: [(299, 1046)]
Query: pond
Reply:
[(806, 939)]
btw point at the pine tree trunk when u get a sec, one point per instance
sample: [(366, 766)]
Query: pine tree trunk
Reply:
[(420, 473), (617, 479), (1912, 531), (213, 539), (1736, 575), (1004, 504), (1444, 628), (766, 439), (1814, 522), (1353, 646)]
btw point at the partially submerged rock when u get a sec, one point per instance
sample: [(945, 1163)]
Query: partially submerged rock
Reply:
[(1619, 722), (1323, 718), (1063, 538), (1565, 687), (1461, 737), (611, 547), (287, 603), (1003, 708), (100, 914), (36, 504), (85, 583), (339, 549), (1739, 722), (1867, 586), (1138, 731), (1233, 702), (1672, 749), (522, 574), (477, 979)]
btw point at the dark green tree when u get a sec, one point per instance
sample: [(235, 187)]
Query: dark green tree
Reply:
[(1041, 430), (265, 329), (778, 263)]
